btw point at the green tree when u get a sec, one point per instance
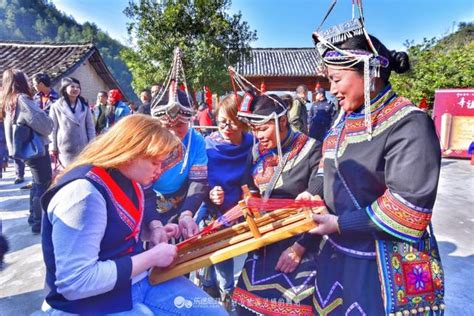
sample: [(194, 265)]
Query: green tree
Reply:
[(209, 37), (435, 64)]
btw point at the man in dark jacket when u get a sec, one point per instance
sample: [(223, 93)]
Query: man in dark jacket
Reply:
[(145, 97), (100, 111), (45, 95), (322, 113)]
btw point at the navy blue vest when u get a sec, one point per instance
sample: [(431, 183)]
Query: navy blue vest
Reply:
[(120, 241)]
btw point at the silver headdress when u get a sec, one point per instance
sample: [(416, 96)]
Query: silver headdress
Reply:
[(170, 104), (246, 111), (328, 55)]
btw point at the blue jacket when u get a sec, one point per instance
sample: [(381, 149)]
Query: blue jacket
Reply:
[(121, 110)]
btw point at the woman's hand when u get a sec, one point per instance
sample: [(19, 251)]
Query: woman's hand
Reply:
[(187, 225), (327, 224), (164, 255), (320, 209), (305, 196), (157, 233), (217, 195), (290, 258), (172, 230), (161, 255)]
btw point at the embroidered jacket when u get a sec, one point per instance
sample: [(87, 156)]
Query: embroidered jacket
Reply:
[(393, 177), (260, 287)]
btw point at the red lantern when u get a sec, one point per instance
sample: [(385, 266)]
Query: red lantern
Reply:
[(263, 87)]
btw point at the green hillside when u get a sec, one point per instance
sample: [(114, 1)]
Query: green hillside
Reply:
[(40, 20)]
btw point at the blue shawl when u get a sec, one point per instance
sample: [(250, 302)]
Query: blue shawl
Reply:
[(227, 165)]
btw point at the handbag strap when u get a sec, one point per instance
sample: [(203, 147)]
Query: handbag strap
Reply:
[(276, 175), (336, 163)]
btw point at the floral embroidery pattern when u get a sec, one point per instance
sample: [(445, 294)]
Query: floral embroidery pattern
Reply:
[(265, 168), (411, 276), (418, 276)]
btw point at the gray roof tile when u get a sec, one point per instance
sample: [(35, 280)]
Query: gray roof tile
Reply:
[(278, 62), (56, 59)]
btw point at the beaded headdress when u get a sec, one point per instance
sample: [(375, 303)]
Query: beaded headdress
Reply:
[(329, 55), (172, 105), (258, 107), (247, 112)]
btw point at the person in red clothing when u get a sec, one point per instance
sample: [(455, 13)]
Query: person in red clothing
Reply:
[(204, 115)]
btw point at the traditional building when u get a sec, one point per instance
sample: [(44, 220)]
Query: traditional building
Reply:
[(79, 60), (281, 69)]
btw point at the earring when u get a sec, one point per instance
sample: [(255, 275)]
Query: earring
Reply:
[(372, 85)]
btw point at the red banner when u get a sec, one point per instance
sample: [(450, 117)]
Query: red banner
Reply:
[(453, 114)]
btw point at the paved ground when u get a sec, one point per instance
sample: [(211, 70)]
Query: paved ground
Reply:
[(21, 282)]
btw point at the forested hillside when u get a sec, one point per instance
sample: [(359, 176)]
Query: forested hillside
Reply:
[(447, 62), (40, 20)]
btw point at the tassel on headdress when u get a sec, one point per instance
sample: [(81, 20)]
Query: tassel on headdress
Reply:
[(258, 107), (172, 105), (329, 55)]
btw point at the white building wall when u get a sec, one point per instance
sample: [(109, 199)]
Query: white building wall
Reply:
[(91, 83)]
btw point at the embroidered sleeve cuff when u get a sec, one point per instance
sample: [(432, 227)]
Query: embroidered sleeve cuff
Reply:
[(398, 217), (124, 271), (198, 172)]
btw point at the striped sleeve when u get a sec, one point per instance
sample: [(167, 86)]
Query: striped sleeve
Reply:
[(412, 165), (398, 217)]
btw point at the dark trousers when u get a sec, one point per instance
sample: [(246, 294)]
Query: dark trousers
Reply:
[(41, 173), (19, 168)]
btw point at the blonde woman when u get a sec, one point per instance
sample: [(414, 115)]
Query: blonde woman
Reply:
[(95, 217)]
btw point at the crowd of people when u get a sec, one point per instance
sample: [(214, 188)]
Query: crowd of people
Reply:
[(131, 186), (65, 120)]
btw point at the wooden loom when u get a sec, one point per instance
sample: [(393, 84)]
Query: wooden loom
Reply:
[(257, 231)]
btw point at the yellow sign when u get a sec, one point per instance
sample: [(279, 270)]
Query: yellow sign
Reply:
[(462, 132)]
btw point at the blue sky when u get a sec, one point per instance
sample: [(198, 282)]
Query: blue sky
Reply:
[(289, 23)]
